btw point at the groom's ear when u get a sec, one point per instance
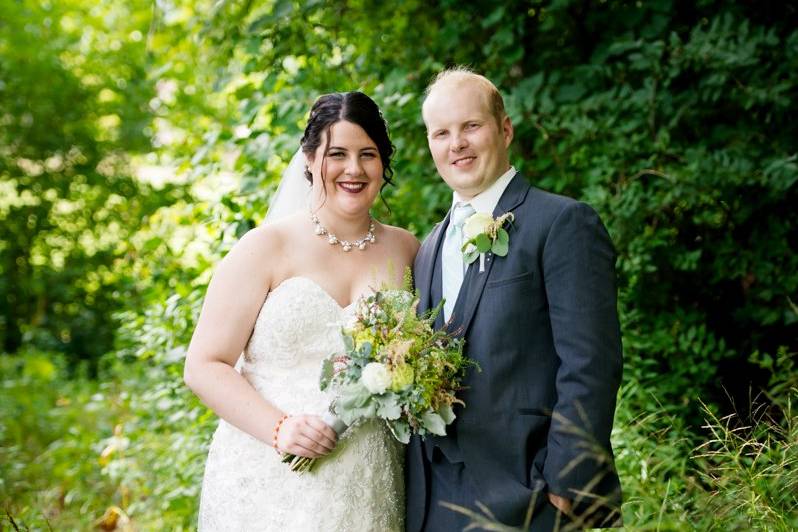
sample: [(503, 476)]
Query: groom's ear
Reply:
[(507, 131)]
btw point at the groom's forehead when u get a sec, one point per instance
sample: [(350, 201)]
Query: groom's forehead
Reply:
[(455, 102)]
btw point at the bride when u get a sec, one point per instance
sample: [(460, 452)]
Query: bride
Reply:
[(280, 296)]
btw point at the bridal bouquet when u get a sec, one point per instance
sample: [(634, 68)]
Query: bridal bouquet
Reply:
[(396, 367)]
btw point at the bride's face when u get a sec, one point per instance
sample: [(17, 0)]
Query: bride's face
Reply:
[(351, 168)]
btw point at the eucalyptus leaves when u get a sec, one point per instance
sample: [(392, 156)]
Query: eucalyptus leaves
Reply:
[(483, 233)]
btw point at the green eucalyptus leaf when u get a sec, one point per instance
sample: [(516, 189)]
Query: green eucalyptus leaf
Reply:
[(388, 406), (400, 430), (446, 413), (471, 256), (499, 248), (482, 242), (503, 236), (434, 423), (327, 372)]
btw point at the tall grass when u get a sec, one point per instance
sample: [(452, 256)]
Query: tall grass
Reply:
[(124, 453), (115, 453), (733, 476)]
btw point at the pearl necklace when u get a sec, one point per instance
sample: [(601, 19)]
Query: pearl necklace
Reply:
[(345, 244)]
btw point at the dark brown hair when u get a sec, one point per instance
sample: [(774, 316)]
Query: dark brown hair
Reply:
[(353, 107)]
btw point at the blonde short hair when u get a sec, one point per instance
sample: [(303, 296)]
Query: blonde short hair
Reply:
[(458, 75)]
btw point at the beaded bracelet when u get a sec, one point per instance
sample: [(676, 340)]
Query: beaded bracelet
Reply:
[(276, 431)]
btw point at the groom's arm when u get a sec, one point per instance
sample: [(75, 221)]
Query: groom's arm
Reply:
[(579, 276)]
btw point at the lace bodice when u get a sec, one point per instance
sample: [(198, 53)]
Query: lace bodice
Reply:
[(359, 486)]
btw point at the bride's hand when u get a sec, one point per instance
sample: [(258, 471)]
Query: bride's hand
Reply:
[(306, 435)]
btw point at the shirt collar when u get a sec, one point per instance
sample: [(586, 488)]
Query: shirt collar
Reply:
[(487, 200)]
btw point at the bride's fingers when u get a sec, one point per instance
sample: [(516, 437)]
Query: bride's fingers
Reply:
[(321, 432), (323, 428), (326, 443), (298, 450), (312, 446)]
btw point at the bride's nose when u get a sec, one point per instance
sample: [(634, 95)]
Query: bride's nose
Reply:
[(353, 167)]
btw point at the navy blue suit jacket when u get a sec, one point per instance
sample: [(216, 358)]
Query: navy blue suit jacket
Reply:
[(542, 324)]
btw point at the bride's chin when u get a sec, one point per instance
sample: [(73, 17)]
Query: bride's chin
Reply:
[(354, 209)]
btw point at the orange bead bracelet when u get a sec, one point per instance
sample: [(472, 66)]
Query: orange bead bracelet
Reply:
[(276, 431)]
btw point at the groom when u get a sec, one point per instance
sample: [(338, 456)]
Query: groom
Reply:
[(541, 322)]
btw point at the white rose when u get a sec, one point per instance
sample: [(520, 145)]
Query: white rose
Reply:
[(476, 224), (376, 377)]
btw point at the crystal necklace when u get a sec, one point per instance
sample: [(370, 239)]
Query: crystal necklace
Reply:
[(345, 244)]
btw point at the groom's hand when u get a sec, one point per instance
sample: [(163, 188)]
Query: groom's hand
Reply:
[(561, 503), (306, 435)]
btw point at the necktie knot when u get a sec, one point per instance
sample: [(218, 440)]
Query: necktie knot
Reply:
[(461, 213)]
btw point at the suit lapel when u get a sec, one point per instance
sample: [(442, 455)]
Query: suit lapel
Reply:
[(474, 281), (426, 263)]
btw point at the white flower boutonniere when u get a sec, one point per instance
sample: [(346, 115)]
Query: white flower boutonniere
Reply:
[(483, 233)]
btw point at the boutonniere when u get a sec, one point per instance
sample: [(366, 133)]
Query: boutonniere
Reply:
[(482, 233)]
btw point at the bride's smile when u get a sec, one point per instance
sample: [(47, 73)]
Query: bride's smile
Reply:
[(347, 171)]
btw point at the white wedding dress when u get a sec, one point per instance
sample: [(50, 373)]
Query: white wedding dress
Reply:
[(357, 487)]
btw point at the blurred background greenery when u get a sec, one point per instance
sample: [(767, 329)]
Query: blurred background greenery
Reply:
[(139, 139)]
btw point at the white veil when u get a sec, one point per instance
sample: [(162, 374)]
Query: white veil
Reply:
[(293, 193)]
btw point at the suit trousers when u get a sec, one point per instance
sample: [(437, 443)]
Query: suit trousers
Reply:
[(452, 483)]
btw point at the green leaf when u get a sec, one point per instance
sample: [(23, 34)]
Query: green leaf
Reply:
[(327, 372), (349, 342), (353, 396), (482, 241), (433, 422), (499, 248), (446, 413), (388, 406), (503, 236), (400, 430), (501, 245), (471, 256)]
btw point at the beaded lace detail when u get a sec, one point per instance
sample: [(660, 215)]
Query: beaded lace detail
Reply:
[(358, 487)]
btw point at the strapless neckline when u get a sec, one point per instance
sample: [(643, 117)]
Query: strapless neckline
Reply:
[(319, 288)]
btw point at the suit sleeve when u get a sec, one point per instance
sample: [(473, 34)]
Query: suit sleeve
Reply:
[(579, 277)]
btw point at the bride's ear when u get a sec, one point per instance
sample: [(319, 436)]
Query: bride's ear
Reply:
[(308, 164)]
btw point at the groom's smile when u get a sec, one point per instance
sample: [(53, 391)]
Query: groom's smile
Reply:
[(467, 141), (463, 162)]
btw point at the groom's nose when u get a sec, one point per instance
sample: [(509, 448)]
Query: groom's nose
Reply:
[(458, 143)]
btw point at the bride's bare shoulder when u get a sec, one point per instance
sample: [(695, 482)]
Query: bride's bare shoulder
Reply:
[(406, 240), (266, 240)]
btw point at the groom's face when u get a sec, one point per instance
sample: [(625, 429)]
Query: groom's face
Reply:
[(468, 143)]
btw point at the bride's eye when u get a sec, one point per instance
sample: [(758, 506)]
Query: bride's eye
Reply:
[(336, 154)]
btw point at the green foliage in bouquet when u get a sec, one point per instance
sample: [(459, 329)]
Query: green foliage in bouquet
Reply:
[(397, 367)]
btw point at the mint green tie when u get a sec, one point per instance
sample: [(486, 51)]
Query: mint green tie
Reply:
[(452, 263)]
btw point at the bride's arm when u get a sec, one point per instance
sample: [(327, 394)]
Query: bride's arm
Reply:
[(234, 298)]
